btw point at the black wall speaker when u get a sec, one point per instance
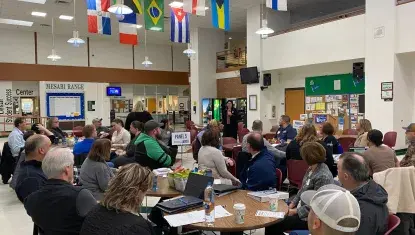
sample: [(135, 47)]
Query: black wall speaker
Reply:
[(358, 70), (267, 79)]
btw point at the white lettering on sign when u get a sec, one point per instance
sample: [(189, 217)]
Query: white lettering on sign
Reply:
[(180, 138)]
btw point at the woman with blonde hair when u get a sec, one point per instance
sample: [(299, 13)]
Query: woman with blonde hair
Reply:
[(363, 127), (53, 126), (138, 114), (119, 210), (308, 134)]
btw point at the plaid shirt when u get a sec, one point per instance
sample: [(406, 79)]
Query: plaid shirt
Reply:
[(312, 180), (76, 174)]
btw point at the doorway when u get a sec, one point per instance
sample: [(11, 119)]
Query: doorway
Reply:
[(294, 103), (29, 106)]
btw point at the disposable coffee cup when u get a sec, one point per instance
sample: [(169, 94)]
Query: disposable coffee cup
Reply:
[(239, 213), (273, 202)]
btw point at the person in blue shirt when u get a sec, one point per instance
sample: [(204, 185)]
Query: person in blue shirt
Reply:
[(15, 139), (83, 147), (286, 132), (260, 172)]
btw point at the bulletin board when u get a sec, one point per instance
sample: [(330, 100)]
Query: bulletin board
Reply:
[(65, 106)]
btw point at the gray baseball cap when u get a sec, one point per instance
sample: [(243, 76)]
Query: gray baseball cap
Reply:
[(332, 204), (151, 125)]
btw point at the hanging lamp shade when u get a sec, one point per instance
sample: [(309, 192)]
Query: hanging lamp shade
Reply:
[(264, 30), (147, 63), (120, 9), (189, 51), (53, 56), (76, 40)]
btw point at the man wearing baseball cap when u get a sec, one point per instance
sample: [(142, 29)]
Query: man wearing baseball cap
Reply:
[(97, 122), (409, 159), (148, 151), (334, 211)]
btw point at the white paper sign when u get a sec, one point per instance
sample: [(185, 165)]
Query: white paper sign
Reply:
[(270, 214), (337, 85), (180, 138)]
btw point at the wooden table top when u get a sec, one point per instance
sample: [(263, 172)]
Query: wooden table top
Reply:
[(163, 189), (227, 224), (229, 147)]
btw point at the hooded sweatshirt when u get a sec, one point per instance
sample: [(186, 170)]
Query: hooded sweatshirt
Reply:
[(149, 153), (372, 200)]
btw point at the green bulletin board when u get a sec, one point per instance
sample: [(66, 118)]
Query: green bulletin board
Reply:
[(333, 85)]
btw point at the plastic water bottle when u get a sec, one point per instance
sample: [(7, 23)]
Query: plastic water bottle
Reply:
[(208, 172), (64, 141), (209, 205), (75, 139), (154, 188)]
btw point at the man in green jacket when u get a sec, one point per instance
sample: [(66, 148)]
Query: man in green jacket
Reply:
[(148, 150)]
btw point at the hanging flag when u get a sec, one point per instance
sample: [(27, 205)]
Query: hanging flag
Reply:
[(278, 5), (135, 5), (128, 29), (99, 20), (154, 15), (195, 7), (220, 14), (179, 26)]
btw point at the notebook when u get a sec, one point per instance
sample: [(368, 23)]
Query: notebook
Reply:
[(193, 195)]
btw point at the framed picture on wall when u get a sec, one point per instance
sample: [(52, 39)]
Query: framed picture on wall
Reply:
[(252, 102)]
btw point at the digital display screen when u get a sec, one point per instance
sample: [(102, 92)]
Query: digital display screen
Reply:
[(113, 91)]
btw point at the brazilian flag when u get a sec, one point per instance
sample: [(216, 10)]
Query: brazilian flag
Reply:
[(154, 15), (220, 14)]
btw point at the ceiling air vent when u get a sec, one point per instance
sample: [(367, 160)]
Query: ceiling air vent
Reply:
[(45, 25), (63, 2)]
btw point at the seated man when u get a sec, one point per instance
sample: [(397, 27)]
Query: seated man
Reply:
[(148, 151), (101, 130), (59, 207), (260, 172), (83, 147), (41, 130), (286, 132), (372, 198), (334, 211), (15, 139), (30, 176)]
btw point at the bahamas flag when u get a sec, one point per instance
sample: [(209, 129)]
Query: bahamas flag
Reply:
[(154, 15), (220, 14)]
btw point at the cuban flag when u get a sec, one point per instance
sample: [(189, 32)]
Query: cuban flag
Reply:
[(195, 7), (278, 5), (99, 20), (179, 26)]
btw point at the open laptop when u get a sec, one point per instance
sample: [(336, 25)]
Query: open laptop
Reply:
[(193, 195)]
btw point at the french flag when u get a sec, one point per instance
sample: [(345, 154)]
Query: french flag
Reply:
[(128, 29), (278, 5), (194, 7), (99, 20), (179, 26)]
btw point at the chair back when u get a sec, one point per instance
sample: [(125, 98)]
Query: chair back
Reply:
[(229, 140), (390, 139), (346, 143), (269, 136), (193, 134), (79, 159), (77, 131), (189, 124), (350, 132), (240, 126), (195, 149), (242, 133), (393, 222), (296, 172), (279, 179)]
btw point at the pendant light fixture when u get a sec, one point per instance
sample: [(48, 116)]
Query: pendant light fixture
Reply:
[(147, 63), (53, 56), (75, 40), (189, 51), (119, 8), (264, 30)]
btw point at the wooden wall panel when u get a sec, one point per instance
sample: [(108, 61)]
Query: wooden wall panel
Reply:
[(230, 88), (35, 72)]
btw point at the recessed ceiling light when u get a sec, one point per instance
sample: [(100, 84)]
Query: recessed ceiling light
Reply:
[(16, 22), (176, 4), (34, 1), (40, 14), (64, 17), (139, 26)]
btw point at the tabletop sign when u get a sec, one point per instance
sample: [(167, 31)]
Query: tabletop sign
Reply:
[(180, 138)]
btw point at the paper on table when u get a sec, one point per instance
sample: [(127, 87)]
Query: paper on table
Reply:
[(194, 217), (270, 214)]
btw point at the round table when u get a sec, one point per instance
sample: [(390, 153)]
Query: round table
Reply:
[(227, 224), (229, 147), (163, 189)]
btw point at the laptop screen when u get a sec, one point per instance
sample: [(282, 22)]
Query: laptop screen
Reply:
[(196, 185), (357, 149)]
